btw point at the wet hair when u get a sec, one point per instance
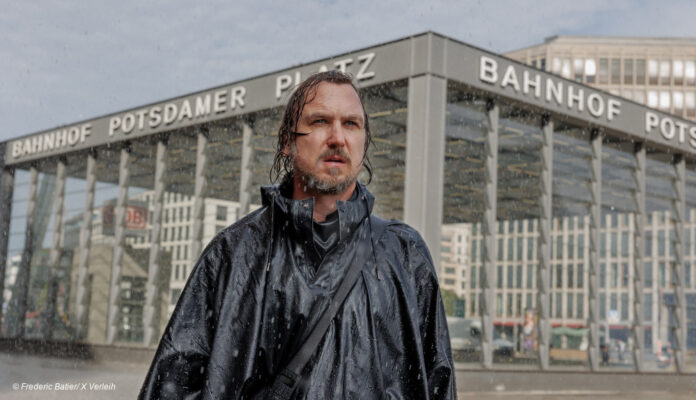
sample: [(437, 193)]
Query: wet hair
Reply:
[(303, 94)]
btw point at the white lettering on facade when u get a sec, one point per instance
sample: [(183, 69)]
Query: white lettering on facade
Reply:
[(488, 71), (572, 97), (555, 91), (365, 60), (219, 103), (155, 116), (185, 111), (283, 82), (595, 105), (343, 64), (202, 105), (527, 83), (670, 129), (614, 109), (170, 111), (510, 78), (54, 140), (667, 128), (128, 123)]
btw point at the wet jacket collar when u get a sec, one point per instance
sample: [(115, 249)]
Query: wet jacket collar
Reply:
[(299, 213)]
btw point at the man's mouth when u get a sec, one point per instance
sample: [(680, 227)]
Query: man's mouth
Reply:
[(335, 160)]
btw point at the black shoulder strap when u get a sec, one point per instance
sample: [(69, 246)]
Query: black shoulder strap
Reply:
[(285, 381)]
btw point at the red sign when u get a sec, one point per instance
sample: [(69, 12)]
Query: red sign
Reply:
[(136, 218)]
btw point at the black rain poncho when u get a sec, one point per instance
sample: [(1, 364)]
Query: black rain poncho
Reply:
[(258, 290)]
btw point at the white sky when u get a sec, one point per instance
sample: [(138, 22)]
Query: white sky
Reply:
[(64, 61)]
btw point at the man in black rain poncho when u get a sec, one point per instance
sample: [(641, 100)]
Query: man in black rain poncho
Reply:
[(262, 284)]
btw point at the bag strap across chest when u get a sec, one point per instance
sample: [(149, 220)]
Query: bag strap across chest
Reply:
[(285, 381)]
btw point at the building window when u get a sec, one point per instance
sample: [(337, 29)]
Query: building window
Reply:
[(569, 305), (578, 65), (175, 296), (590, 70), (628, 71), (615, 71), (640, 72), (624, 306), (689, 72), (664, 72), (559, 306), (603, 71), (499, 305), (221, 213), (652, 72), (678, 72), (581, 306), (509, 277)]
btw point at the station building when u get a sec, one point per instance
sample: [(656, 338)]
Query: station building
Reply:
[(558, 215)]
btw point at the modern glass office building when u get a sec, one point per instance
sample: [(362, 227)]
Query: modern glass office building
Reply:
[(560, 217)]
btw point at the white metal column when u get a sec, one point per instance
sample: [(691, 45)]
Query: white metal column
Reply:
[(83, 290), (198, 197), (593, 352), (425, 152), (155, 278), (488, 229), (678, 276), (639, 258), (23, 275), (245, 171), (50, 316), (545, 220), (6, 191), (119, 236)]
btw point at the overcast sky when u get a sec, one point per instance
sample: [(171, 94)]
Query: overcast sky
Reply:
[(64, 61)]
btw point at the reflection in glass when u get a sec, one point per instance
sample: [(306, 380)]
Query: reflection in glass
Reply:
[(463, 207), (617, 222), (15, 246)]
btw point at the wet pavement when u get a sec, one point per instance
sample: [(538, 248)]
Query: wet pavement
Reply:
[(39, 377)]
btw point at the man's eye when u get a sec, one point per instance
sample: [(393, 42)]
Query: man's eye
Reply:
[(319, 121), (353, 123)]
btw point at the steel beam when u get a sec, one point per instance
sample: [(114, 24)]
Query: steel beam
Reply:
[(545, 220), (425, 157), (24, 273), (119, 236), (152, 314), (245, 172), (83, 290), (198, 196), (6, 192), (679, 326), (593, 353), (639, 258), (49, 318), (488, 229)]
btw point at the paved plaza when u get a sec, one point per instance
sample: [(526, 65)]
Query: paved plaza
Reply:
[(25, 377)]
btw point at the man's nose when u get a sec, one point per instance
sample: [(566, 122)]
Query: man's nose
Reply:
[(337, 134)]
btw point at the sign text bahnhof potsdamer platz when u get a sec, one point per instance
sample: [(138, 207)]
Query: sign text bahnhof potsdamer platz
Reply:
[(558, 215)]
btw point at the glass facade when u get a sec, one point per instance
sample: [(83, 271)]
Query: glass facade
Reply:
[(519, 246)]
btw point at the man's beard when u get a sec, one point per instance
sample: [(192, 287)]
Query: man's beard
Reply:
[(333, 185)]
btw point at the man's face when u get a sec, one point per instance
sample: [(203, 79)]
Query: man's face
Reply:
[(328, 159)]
